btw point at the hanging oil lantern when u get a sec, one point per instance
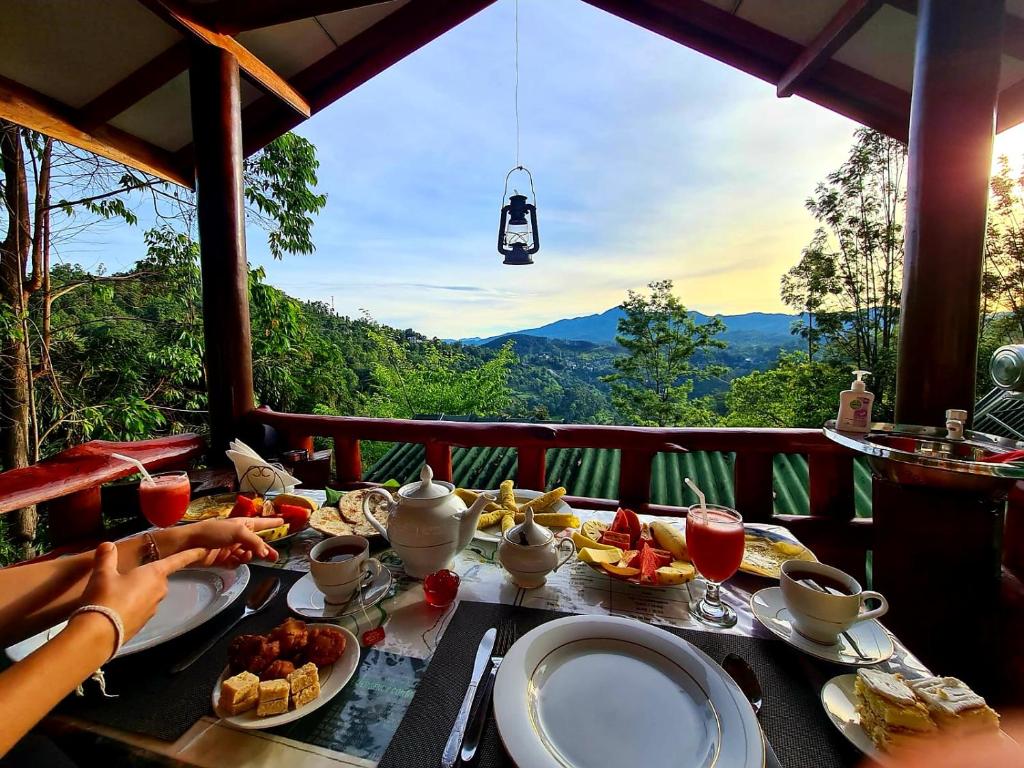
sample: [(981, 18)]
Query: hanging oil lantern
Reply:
[(518, 239)]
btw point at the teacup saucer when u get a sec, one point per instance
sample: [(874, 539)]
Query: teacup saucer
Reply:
[(306, 600), (871, 638)]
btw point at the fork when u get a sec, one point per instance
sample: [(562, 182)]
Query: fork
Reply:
[(507, 635)]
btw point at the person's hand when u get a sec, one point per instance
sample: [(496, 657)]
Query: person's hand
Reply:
[(136, 594), (958, 750), (232, 542)]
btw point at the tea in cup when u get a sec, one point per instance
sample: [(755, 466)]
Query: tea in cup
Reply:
[(824, 602), (340, 566)]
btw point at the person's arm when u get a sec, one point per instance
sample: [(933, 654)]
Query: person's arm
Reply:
[(32, 687), (35, 596)]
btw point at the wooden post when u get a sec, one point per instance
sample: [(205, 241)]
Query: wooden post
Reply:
[(952, 120), (348, 460), (217, 135), (75, 517), (439, 457), (532, 467), (635, 478), (754, 476)]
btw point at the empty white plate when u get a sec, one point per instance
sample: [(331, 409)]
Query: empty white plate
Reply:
[(333, 678), (194, 596), (604, 692), (870, 636)]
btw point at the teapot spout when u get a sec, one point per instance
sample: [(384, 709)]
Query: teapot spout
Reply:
[(469, 518)]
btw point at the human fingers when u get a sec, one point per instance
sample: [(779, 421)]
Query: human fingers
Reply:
[(263, 523), (105, 559), (179, 560)]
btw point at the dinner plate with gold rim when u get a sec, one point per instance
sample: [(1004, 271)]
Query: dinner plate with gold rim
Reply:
[(333, 677), (606, 691), (871, 638)]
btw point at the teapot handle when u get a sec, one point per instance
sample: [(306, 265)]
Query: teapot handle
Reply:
[(569, 554), (369, 515)]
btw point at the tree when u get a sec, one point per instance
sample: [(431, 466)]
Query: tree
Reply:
[(52, 192), (850, 275), (653, 380), (796, 392)]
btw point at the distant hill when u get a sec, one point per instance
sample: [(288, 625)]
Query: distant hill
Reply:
[(749, 328), (527, 344)]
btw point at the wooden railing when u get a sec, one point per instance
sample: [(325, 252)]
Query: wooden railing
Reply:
[(831, 529)]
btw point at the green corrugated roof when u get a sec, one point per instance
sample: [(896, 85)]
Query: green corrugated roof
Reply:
[(595, 473)]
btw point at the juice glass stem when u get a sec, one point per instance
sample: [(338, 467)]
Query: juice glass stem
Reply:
[(711, 610)]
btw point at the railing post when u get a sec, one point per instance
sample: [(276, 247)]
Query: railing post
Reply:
[(831, 485), (439, 457), (348, 461), (635, 478), (753, 477), (532, 469), (293, 442), (76, 516)]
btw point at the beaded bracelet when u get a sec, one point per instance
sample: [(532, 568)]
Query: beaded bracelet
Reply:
[(112, 616), (150, 553)]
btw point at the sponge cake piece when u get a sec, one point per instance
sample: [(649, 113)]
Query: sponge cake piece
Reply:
[(239, 693), (273, 698)]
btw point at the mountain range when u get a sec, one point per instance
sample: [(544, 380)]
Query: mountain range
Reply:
[(770, 328)]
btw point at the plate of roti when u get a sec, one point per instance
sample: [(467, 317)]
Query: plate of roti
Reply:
[(347, 519)]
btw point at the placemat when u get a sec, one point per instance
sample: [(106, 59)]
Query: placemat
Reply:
[(792, 716), (153, 702)]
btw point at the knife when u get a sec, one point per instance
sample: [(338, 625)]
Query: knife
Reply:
[(483, 658)]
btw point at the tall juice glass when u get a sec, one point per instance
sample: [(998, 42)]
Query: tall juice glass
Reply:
[(714, 538), (165, 498)]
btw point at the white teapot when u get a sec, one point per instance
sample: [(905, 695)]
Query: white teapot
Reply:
[(428, 524), (529, 553)]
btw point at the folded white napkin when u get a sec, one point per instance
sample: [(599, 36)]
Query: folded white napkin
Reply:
[(256, 475)]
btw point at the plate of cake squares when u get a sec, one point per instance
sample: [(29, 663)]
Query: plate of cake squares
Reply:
[(278, 677), (880, 712)]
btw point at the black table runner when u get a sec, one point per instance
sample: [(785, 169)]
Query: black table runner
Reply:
[(792, 715)]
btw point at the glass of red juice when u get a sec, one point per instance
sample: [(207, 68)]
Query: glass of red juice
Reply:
[(714, 538), (164, 499)]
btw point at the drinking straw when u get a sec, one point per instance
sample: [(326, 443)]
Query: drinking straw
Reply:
[(698, 491), (138, 464)]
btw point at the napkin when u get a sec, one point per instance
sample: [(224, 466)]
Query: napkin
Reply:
[(255, 474)]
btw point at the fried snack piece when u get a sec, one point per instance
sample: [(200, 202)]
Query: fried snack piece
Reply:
[(487, 519), (543, 501), (277, 670), (252, 653), (507, 522), (292, 635), (469, 497), (325, 646), (552, 519), (506, 496)]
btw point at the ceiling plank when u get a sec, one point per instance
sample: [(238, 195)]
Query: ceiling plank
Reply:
[(136, 86), (233, 16), (1013, 28), (766, 55), (350, 65), (256, 70), (33, 110), (847, 21)]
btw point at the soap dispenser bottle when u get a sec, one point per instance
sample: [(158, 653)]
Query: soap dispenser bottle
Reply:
[(855, 406)]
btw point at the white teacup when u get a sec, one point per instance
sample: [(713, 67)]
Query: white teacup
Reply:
[(350, 569), (823, 616)]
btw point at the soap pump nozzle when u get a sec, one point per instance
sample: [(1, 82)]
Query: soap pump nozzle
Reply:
[(859, 385)]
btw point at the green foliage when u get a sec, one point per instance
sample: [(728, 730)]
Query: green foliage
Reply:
[(796, 392), (654, 377)]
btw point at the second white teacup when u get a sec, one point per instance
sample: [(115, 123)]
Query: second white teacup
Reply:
[(341, 565), (819, 615)]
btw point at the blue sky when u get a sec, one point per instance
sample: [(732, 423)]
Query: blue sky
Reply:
[(651, 161)]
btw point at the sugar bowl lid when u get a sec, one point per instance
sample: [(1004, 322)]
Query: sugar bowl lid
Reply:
[(426, 488), (528, 533)]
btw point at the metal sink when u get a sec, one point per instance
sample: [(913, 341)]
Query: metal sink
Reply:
[(914, 455)]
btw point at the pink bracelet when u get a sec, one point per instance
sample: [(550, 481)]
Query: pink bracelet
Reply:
[(112, 616)]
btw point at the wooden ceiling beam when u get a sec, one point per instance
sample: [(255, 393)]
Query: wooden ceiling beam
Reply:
[(136, 86), (846, 22), (33, 110), (766, 55), (256, 71), (1013, 28), (233, 16)]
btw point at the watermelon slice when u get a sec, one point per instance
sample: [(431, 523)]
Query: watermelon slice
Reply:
[(663, 555), (648, 566), (614, 539), (627, 522)]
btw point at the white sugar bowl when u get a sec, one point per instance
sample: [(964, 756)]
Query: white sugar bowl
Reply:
[(529, 552)]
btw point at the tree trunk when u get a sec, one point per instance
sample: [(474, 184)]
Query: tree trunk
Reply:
[(14, 355)]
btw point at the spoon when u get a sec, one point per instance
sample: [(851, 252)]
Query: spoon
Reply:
[(257, 600), (738, 669)]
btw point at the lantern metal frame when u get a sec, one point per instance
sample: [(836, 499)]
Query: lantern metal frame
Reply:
[(518, 254)]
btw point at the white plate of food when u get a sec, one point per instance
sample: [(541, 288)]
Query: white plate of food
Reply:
[(194, 596), (649, 696), (492, 532), (347, 518), (331, 678), (840, 703), (221, 505)]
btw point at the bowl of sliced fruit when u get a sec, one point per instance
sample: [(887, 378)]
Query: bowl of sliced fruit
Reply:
[(648, 554)]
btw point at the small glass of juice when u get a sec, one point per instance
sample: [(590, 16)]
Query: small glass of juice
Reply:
[(715, 540), (165, 498)]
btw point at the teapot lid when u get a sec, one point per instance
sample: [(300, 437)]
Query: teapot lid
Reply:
[(528, 533), (426, 488)]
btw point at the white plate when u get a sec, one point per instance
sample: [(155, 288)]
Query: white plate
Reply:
[(606, 692), (870, 636), (840, 703), (493, 532), (194, 596), (306, 600), (333, 678)]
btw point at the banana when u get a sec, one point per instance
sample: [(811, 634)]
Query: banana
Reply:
[(671, 538)]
